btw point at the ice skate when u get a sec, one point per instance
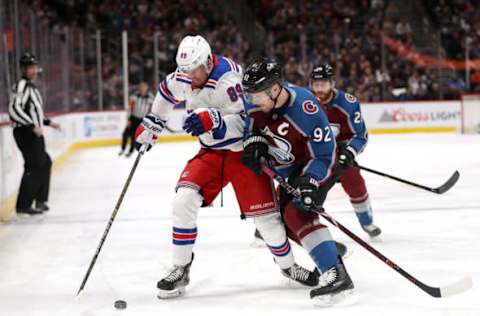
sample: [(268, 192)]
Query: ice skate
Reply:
[(301, 275), (335, 286), (173, 285), (372, 230)]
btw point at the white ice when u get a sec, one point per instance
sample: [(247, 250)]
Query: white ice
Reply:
[(434, 237)]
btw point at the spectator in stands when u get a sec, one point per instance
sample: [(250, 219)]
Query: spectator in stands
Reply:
[(300, 34)]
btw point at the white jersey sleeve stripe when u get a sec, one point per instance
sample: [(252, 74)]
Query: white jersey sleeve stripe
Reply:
[(232, 64), (166, 93), (235, 67), (182, 78)]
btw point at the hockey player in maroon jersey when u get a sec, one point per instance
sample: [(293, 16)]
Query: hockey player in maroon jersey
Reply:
[(345, 117), (286, 129)]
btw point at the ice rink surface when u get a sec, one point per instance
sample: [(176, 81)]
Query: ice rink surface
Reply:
[(434, 237)]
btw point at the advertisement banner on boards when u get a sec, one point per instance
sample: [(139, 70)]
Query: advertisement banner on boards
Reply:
[(412, 114)]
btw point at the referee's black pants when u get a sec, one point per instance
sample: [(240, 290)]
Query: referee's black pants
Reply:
[(36, 176), (129, 132)]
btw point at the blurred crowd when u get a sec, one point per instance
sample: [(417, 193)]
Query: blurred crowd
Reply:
[(459, 25), (168, 22), (346, 33), (459, 22)]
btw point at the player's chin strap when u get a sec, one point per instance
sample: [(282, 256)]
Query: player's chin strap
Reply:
[(452, 289), (269, 94)]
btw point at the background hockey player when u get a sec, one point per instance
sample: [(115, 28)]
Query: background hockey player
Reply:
[(287, 127), (210, 87), (344, 114), (138, 106)]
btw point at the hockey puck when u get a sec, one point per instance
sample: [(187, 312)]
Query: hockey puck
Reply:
[(120, 304)]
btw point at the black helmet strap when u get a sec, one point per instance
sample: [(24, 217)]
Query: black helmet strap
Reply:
[(270, 95)]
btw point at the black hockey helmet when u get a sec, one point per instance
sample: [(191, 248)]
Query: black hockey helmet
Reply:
[(28, 59), (261, 75), (322, 72)]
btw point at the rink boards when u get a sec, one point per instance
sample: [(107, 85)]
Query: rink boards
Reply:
[(93, 129)]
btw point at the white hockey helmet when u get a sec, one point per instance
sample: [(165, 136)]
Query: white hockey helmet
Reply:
[(193, 51)]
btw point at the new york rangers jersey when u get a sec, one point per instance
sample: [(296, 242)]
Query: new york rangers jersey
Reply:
[(344, 114), (299, 135), (222, 91)]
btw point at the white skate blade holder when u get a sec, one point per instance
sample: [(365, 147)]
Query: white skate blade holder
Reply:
[(165, 295), (344, 298), (376, 239)]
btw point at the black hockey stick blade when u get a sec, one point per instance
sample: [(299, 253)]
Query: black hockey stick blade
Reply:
[(447, 185), (441, 189)]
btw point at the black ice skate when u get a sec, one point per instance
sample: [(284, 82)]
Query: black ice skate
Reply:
[(372, 230), (173, 285), (335, 285), (29, 211), (301, 275), (42, 206)]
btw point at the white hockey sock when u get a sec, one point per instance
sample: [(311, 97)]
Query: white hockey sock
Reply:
[(273, 232), (186, 204)]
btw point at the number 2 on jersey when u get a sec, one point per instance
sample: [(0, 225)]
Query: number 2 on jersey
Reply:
[(358, 117)]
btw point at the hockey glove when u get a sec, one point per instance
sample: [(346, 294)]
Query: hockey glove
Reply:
[(204, 120), (346, 156), (148, 131), (255, 152), (308, 188)]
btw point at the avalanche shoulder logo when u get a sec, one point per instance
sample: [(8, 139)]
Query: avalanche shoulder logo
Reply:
[(281, 151), (309, 107), (350, 98)]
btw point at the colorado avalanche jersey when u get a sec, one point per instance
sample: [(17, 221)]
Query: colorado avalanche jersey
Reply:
[(299, 135), (222, 91), (344, 114)]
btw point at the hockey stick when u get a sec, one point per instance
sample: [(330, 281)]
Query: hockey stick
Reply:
[(112, 217), (439, 190), (173, 131), (449, 290)]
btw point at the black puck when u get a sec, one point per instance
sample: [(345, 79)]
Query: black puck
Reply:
[(120, 304)]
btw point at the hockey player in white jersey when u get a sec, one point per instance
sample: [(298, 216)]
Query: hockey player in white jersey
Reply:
[(210, 87)]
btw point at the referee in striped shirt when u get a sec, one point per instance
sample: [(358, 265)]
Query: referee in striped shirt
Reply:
[(27, 117), (139, 105)]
